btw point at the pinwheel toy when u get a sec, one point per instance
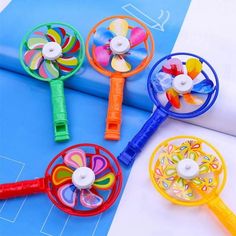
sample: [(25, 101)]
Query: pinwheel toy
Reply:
[(118, 47), (82, 180), (182, 86), (53, 52), (189, 171)]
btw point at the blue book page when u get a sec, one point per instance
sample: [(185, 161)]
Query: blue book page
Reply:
[(27, 146), (163, 17)]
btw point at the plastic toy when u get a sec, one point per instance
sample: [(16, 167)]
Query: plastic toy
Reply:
[(189, 171), (118, 48), (182, 86), (53, 52), (82, 180)]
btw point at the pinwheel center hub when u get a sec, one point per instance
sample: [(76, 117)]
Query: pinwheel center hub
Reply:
[(119, 45), (83, 178), (187, 169), (51, 51), (182, 84)]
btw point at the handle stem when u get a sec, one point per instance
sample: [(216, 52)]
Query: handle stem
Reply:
[(59, 111), (22, 188), (224, 214), (114, 113), (140, 139)]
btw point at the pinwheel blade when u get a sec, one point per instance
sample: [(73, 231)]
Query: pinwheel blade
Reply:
[(98, 164), (61, 174), (75, 158), (66, 65), (193, 100), (33, 59), (67, 194), (105, 182), (137, 36), (182, 190), (205, 86), (102, 36), (194, 67), (173, 66), (204, 184), (210, 163), (37, 40), (70, 46), (102, 55), (173, 97), (89, 199), (48, 70), (119, 27), (56, 34), (136, 56), (118, 63), (161, 82)]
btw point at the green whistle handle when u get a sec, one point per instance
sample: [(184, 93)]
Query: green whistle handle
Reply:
[(59, 111)]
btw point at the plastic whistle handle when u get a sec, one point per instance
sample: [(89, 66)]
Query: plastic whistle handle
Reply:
[(224, 214), (135, 146), (114, 113), (22, 188), (59, 111)]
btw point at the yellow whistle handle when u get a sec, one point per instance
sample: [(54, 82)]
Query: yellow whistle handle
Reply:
[(224, 214)]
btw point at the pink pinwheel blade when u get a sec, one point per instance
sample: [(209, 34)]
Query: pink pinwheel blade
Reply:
[(48, 70), (173, 66), (75, 158), (137, 36), (102, 55), (33, 59), (98, 163), (89, 199)]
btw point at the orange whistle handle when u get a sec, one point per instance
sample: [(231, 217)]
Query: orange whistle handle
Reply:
[(114, 112), (224, 214)]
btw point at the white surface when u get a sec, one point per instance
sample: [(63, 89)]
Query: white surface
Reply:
[(52, 51), (209, 31), (4, 4), (143, 211), (120, 45), (182, 84), (188, 169)]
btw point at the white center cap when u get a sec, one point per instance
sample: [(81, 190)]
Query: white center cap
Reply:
[(83, 178), (52, 51), (182, 84), (188, 169), (119, 45)]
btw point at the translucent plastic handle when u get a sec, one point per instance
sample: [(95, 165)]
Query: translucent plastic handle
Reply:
[(22, 188), (114, 113), (59, 111), (140, 139), (224, 214)]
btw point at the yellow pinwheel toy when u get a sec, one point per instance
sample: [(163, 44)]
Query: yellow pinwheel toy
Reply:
[(189, 171)]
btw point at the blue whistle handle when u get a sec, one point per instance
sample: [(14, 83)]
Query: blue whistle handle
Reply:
[(136, 145)]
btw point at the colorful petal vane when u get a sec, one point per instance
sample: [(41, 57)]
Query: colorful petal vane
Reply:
[(204, 184), (67, 194), (173, 66), (48, 70), (102, 55), (102, 36), (193, 100), (194, 67), (161, 82), (98, 164), (33, 59), (136, 56), (61, 174), (173, 97), (89, 199), (118, 63), (37, 40), (56, 34), (75, 158), (71, 45), (211, 163), (205, 86), (182, 190), (119, 27), (105, 182), (67, 64), (137, 36)]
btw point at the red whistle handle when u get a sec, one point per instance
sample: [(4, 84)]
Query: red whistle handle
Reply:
[(22, 188)]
